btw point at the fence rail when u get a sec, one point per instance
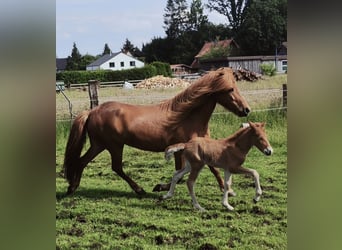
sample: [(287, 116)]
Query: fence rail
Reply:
[(67, 107)]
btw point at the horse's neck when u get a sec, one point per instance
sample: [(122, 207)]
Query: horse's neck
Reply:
[(203, 112), (243, 140)]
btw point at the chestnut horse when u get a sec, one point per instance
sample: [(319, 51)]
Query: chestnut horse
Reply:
[(229, 154), (111, 125)]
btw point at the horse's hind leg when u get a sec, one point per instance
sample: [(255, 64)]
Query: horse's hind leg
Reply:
[(116, 154), (179, 163), (92, 152), (218, 177), (176, 177)]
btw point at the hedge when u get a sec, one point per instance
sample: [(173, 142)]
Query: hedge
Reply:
[(150, 70)]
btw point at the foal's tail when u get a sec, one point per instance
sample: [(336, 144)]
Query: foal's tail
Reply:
[(170, 150), (74, 147)]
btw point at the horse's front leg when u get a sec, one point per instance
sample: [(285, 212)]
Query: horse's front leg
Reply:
[(227, 183), (116, 154), (255, 174)]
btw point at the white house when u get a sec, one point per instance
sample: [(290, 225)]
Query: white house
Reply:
[(115, 61)]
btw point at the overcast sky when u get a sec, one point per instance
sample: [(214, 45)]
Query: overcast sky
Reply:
[(92, 23)]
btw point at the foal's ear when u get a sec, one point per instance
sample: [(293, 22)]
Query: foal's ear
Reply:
[(263, 124)]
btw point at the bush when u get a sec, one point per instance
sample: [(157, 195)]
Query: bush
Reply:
[(268, 69), (162, 68), (75, 77)]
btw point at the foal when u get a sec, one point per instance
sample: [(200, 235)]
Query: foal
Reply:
[(228, 154)]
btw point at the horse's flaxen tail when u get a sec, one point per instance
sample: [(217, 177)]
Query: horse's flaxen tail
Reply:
[(170, 150), (74, 147)]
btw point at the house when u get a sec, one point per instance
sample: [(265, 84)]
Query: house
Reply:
[(61, 64), (215, 50), (115, 61), (251, 63), (181, 69)]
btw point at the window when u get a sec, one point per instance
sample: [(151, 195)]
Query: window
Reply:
[(284, 65), (122, 64), (111, 65), (132, 63)]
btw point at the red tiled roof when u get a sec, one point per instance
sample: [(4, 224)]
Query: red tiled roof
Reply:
[(209, 45)]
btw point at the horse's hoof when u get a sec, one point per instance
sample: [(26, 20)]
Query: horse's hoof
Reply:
[(140, 191), (70, 191), (157, 188), (161, 187)]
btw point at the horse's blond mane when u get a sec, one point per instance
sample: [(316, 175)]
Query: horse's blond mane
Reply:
[(197, 93)]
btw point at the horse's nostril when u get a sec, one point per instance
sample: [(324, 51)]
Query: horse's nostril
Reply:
[(247, 110)]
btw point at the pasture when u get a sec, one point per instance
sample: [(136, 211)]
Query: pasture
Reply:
[(105, 213)]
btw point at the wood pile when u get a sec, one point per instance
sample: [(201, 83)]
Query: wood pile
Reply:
[(160, 81), (246, 75)]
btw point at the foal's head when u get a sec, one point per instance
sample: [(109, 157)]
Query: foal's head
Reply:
[(259, 137), (229, 95)]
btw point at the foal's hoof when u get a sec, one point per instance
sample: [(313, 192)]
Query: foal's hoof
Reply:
[(232, 193), (255, 200)]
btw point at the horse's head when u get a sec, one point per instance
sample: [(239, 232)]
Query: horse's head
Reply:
[(228, 95), (260, 137)]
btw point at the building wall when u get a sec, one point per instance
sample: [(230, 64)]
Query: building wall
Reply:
[(116, 63)]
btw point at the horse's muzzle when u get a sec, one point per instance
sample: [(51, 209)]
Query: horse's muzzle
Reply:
[(268, 151), (246, 111)]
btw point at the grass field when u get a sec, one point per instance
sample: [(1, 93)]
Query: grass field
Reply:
[(105, 213)]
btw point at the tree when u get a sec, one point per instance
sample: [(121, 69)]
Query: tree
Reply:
[(234, 10), (196, 18), (85, 60), (175, 18), (128, 47), (106, 50), (264, 28), (73, 61)]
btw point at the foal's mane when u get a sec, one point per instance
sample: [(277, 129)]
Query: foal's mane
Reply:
[(197, 93), (238, 133)]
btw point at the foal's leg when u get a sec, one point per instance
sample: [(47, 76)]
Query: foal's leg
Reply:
[(217, 175), (255, 174), (176, 177), (116, 154), (179, 163), (91, 153), (227, 183), (195, 169)]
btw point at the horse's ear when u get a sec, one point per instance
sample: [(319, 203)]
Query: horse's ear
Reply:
[(252, 125)]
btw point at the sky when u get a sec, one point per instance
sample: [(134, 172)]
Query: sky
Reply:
[(93, 23)]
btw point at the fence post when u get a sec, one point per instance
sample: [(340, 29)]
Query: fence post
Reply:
[(285, 95), (93, 89)]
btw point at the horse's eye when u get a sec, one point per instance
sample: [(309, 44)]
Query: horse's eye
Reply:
[(231, 90)]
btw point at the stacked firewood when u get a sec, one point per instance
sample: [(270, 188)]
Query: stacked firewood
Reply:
[(246, 75), (160, 81)]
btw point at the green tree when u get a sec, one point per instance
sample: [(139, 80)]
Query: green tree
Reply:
[(175, 18), (128, 47), (233, 10), (264, 28), (85, 60), (106, 50), (73, 61), (196, 18)]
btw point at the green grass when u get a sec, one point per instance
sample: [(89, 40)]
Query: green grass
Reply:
[(105, 213)]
